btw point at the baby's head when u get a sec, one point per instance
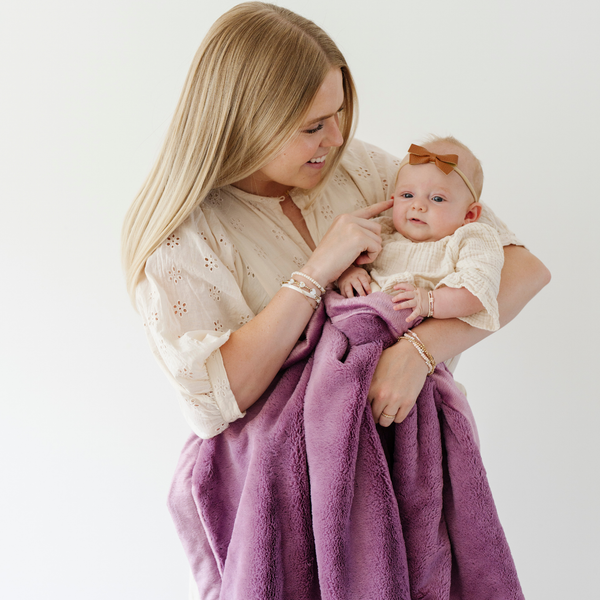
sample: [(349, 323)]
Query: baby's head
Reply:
[(430, 204)]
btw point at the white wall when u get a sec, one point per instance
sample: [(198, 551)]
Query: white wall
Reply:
[(90, 433)]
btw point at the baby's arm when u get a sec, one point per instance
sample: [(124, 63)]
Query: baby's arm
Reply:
[(354, 278), (447, 302)]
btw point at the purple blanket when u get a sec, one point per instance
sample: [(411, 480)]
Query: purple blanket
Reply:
[(305, 498)]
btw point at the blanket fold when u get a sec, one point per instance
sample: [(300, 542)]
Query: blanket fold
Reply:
[(305, 499)]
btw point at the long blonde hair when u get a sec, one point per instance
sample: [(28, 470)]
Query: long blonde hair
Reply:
[(249, 87)]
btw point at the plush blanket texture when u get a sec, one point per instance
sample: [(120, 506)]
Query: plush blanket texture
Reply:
[(305, 498)]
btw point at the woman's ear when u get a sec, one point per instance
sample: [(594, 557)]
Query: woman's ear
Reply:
[(473, 213)]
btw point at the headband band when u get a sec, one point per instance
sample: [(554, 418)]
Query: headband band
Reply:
[(417, 155)]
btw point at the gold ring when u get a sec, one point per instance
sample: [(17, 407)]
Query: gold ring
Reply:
[(388, 416)]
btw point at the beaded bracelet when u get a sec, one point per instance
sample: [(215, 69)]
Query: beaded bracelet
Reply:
[(300, 286), (308, 278), (414, 339), (430, 297)]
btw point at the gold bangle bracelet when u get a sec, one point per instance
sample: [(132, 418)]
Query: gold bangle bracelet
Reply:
[(414, 339)]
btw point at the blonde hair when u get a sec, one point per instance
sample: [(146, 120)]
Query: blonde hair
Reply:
[(248, 90), (476, 177)]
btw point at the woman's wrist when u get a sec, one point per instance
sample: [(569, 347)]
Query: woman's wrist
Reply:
[(316, 274)]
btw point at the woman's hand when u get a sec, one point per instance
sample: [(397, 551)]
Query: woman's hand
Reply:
[(397, 383), (352, 237)]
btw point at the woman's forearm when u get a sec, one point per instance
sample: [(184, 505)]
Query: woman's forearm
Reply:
[(254, 353), (523, 276)]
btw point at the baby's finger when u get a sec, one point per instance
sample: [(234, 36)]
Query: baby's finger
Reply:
[(409, 287), (347, 289), (403, 296), (357, 285), (406, 304), (413, 315)]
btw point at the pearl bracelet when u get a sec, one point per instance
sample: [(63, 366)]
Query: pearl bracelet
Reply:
[(302, 288), (308, 278)]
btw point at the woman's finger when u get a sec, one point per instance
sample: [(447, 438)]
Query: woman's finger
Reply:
[(373, 210)]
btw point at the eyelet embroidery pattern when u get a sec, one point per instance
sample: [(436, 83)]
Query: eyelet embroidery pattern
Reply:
[(362, 172), (222, 240), (202, 235), (175, 275), (220, 387), (245, 319), (250, 272), (385, 186), (237, 224), (210, 262), (396, 162), (213, 199), (279, 235), (180, 308), (185, 373), (151, 319), (340, 179), (299, 262), (218, 325), (163, 349), (172, 241), (215, 293), (259, 251), (327, 212)]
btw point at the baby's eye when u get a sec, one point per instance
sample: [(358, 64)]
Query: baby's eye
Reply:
[(437, 199), (406, 195), (314, 129)]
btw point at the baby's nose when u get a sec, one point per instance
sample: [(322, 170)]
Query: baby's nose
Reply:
[(419, 204)]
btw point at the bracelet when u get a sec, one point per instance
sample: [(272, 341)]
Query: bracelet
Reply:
[(308, 278), (430, 297), (414, 339), (300, 286)]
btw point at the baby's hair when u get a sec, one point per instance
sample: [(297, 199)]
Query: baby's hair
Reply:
[(477, 179)]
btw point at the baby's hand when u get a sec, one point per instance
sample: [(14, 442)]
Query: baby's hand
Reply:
[(354, 278), (412, 297)]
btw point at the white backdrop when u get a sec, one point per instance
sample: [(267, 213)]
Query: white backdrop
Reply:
[(90, 431)]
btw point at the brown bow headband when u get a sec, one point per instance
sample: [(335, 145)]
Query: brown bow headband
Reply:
[(444, 162), (417, 155)]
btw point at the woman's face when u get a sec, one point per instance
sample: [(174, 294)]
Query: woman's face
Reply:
[(300, 163)]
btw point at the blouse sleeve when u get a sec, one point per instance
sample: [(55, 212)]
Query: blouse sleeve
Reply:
[(477, 253), (190, 300)]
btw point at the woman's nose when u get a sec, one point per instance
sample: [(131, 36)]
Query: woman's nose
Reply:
[(334, 136)]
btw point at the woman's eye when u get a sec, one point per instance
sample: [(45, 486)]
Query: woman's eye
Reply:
[(437, 199), (314, 129)]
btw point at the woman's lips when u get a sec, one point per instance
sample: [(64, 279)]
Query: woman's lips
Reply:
[(318, 163)]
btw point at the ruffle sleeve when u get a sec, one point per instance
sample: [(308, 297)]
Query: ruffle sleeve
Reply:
[(190, 301), (477, 252)]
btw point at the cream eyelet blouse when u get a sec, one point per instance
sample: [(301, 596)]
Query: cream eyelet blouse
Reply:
[(223, 265)]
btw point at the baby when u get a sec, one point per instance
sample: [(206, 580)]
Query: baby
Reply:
[(444, 263)]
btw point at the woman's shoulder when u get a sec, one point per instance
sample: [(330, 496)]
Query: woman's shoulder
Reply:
[(361, 155), (370, 169)]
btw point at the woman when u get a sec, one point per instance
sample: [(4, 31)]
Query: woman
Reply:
[(258, 179)]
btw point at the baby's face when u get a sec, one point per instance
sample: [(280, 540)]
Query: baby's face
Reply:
[(430, 205)]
